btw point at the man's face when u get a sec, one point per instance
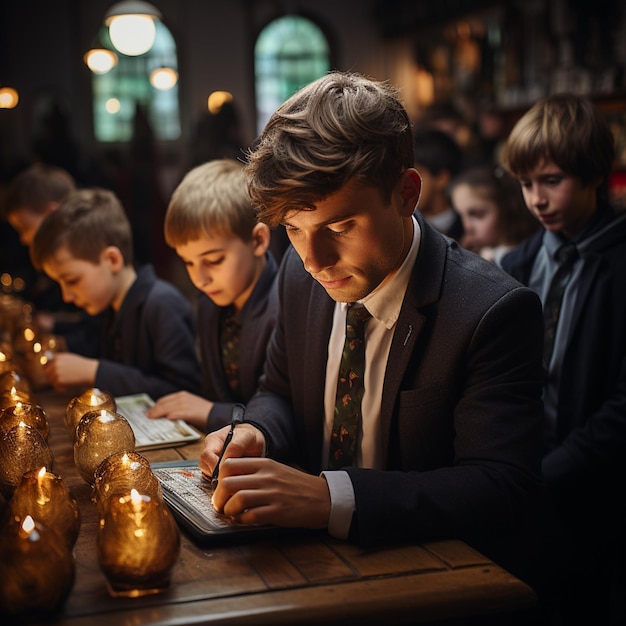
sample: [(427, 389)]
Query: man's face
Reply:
[(559, 201), (26, 222), (353, 240), (224, 267), (89, 286)]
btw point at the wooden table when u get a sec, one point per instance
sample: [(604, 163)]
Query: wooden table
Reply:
[(300, 578)]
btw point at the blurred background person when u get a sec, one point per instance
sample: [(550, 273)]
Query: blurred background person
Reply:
[(492, 210), (438, 160)]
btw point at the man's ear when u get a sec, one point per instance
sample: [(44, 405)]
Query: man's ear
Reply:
[(113, 257), (410, 186), (260, 238)]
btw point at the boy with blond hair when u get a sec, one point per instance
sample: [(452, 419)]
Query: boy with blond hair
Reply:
[(147, 341), (212, 225)]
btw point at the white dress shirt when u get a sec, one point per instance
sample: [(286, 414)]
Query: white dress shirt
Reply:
[(384, 303)]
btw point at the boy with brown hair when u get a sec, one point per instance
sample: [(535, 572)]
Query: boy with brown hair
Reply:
[(147, 343), (35, 192), (562, 151), (211, 224)]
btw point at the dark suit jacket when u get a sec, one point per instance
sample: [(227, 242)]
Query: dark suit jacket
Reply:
[(587, 468), (461, 407), (257, 319), (149, 346)]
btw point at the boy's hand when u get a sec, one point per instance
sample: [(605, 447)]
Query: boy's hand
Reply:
[(182, 405), (66, 369)]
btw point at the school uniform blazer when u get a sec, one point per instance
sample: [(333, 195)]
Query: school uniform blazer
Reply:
[(150, 345), (590, 455), (461, 407), (257, 318)]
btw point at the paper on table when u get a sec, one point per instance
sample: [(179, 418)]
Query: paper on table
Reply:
[(151, 434)]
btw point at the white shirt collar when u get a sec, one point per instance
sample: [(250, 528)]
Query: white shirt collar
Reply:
[(385, 302)]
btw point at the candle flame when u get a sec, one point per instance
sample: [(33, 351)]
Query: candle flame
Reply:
[(135, 496), (36, 347), (18, 407), (42, 472), (28, 524)]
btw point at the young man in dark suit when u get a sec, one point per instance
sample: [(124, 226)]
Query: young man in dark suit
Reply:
[(447, 439)]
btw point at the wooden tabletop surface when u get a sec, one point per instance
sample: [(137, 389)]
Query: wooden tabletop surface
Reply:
[(291, 578)]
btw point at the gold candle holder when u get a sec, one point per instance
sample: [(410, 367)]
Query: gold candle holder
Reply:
[(45, 496), (121, 472), (7, 362), (22, 448), (98, 435), (90, 400), (37, 568), (10, 397), (31, 414), (138, 545), (13, 378)]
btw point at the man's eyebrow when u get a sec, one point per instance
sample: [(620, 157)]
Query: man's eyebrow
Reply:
[(331, 220)]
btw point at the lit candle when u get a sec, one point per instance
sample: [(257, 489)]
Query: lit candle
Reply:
[(89, 400), (138, 545), (13, 379), (99, 434), (121, 472), (10, 397), (22, 448), (31, 414), (36, 568), (45, 496)]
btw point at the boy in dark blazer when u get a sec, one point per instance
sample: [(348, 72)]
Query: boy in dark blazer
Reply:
[(448, 440), (147, 342), (562, 151), (212, 226)]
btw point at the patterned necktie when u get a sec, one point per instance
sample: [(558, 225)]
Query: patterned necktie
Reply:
[(229, 343), (566, 256), (350, 389)]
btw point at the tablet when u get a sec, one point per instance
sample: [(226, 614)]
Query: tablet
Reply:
[(189, 497)]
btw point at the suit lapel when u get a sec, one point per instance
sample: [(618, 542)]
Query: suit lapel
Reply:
[(424, 288)]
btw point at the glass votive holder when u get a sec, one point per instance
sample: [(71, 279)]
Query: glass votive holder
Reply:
[(138, 544), (7, 361), (10, 397), (121, 472), (37, 568), (90, 400), (45, 496), (31, 414), (22, 448), (14, 379), (99, 434)]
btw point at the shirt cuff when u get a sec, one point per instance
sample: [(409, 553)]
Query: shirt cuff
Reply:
[(342, 503)]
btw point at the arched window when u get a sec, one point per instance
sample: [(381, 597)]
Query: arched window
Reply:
[(289, 53), (117, 93)]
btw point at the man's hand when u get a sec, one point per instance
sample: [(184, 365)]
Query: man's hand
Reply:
[(66, 369), (182, 405), (263, 491), (247, 441)]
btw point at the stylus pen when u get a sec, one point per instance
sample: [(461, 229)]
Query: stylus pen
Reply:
[(236, 417)]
